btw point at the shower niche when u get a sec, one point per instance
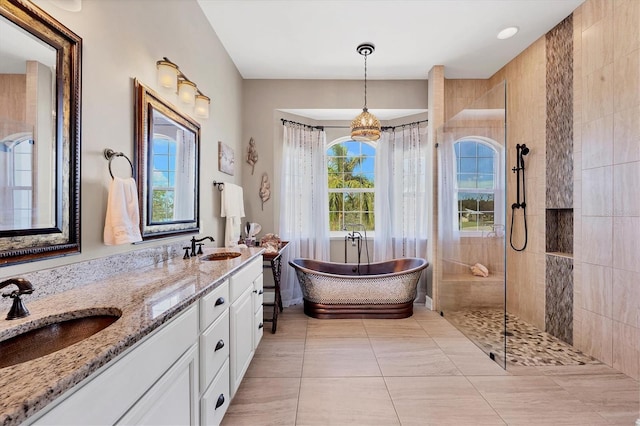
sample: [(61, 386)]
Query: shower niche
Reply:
[(559, 232)]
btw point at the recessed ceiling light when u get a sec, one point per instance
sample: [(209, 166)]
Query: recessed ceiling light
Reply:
[(507, 33)]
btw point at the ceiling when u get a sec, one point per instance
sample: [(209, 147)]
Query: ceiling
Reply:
[(317, 39)]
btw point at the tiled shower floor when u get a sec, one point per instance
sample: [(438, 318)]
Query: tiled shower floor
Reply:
[(527, 346)]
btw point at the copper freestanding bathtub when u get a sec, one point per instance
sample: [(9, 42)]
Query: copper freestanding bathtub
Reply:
[(346, 290)]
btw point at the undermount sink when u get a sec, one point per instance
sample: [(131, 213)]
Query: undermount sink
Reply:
[(52, 337), (224, 255)]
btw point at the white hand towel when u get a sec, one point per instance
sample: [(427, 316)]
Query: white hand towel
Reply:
[(232, 201), (122, 222), (232, 207)]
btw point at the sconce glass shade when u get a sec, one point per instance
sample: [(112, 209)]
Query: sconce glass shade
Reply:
[(167, 75), (187, 92), (365, 127), (201, 109)]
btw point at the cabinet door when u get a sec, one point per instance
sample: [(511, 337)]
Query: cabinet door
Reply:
[(258, 328), (242, 320), (258, 293), (173, 399)]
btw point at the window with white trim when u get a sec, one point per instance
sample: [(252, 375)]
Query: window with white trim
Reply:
[(477, 177), (350, 166)]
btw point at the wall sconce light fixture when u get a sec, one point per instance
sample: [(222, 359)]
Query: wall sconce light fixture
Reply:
[(170, 76)]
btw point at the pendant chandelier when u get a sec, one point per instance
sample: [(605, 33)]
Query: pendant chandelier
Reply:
[(366, 126)]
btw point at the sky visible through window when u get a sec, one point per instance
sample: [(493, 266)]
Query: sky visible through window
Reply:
[(164, 176), (475, 163), (351, 184)]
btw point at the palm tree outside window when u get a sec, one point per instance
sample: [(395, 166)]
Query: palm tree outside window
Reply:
[(351, 180)]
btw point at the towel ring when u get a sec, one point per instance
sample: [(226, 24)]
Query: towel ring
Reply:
[(109, 154)]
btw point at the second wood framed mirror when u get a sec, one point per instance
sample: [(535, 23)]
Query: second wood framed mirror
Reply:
[(168, 159)]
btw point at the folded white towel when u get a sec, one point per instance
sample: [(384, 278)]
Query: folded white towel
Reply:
[(232, 207), (122, 222)]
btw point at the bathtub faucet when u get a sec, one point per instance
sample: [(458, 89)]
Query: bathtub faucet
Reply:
[(356, 239)]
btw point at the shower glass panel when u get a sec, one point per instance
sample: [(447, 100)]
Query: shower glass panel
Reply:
[(471, 271)]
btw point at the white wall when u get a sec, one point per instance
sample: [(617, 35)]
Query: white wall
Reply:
[(123, 40)]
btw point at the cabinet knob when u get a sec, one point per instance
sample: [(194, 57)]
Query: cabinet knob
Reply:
[(220, 401), (219, 345), (219, 302), (260, 325)]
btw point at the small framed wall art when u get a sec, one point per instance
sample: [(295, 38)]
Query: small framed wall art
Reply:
[(225, 158)]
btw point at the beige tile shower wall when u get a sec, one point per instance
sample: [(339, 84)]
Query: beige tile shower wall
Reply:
[(526, 106), (607, 177), (459, 94)]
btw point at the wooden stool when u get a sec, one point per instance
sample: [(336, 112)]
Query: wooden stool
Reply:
[(274, 299)]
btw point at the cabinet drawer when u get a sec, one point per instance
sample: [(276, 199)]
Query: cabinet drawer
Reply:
[(258, 291), (215, 401), (214, 349), (244, 278), (258, 328), (214, 304)]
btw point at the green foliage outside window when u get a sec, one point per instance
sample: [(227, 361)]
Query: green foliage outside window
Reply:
[(163, 203), (351, 185)]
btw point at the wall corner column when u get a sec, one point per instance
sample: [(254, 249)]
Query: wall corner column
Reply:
[(435, 105)]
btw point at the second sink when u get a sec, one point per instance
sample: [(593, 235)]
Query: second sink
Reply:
[(225, 255), (50, 338)]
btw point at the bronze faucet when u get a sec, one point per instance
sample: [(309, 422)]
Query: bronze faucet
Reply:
[(18, 310), (193, 246)]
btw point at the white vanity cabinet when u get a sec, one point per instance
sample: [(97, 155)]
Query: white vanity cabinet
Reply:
[(155, 381), (185, 372), (242, 318)]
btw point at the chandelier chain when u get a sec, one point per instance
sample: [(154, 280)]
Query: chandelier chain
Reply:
[(365, 80)]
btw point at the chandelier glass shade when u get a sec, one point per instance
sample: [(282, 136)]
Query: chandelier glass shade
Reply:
[(366, 126)]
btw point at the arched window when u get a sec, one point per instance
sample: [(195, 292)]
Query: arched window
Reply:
[(478, 180), (350, 166)]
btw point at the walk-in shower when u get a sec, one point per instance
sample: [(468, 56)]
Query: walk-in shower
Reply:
[(473, 208)]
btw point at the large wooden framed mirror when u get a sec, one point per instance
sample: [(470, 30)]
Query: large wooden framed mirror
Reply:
[(40, 65), (168, 159)]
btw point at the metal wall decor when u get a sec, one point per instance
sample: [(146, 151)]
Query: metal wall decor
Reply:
[(252, 155), (265, 189)]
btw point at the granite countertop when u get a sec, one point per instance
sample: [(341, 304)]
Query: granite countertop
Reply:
[(147, 299)]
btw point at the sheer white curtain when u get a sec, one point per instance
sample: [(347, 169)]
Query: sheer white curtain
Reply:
[(448, 199), (184, 176), (304, 210), (401, 191)]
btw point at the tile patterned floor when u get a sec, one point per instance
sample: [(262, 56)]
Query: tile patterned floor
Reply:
[(415, 371), (525, 344)]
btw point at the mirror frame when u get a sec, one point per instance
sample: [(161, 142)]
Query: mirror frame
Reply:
[(25, 245), (145, 101)]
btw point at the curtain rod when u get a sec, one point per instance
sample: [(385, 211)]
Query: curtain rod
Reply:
[(301, 124), (348, 127)]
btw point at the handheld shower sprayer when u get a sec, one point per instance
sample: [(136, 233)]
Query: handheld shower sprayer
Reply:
[(521, 197)]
